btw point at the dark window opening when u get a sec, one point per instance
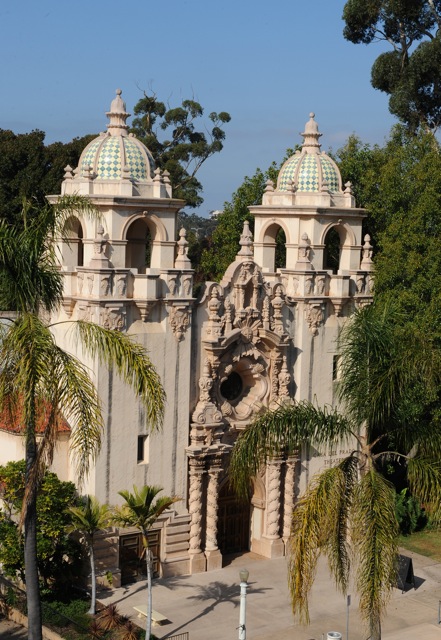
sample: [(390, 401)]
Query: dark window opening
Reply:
[(232, 387), (142, 456), (332, 251)]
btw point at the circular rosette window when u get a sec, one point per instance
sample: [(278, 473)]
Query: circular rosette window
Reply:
[(242, 389)]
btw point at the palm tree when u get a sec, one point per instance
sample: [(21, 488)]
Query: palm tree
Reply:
[(89, 518), (389, 376), (43, 379), (141, 510)]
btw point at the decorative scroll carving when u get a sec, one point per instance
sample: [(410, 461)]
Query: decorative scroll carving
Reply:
[(173, 284), (273, 501), (105, 285), (121, 285), (320, 283), (80, 282), (187, 285), (90, 278), (113, 319), (360, 283), (195, 504), (314, 317), (179, 318)]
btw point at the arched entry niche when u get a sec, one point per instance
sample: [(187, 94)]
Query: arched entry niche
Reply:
[(72, 248), (274, 247), (139, 237)]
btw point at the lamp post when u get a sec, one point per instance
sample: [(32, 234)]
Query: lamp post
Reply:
[(243, 574)]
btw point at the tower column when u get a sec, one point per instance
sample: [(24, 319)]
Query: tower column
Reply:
[(212, 552), (197, 558)]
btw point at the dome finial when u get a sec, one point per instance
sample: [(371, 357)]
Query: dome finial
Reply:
[(311, 135), (117, 116)]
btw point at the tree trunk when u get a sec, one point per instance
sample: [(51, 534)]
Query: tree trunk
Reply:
[(30, 548), (148, 558), (375, 628), (92, 609)]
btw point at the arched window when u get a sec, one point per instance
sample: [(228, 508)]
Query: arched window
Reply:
[(139, 245), (331, 257)]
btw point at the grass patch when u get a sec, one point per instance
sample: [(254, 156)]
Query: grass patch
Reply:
[(427, 543)]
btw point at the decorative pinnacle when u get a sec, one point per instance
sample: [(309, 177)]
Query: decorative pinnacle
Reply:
[(117, 116), (246, 242), (311, 135)]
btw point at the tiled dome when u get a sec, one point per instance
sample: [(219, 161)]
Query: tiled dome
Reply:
[(310, 170), (116, 154)]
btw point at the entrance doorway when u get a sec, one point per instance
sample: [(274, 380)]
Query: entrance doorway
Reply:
[(233, 523), (132, 556)]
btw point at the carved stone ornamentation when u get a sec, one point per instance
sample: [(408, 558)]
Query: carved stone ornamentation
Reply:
[(195, 504), (360, 283), (277, 303), (105, 285), (179, 318), (113, 319), (366, 260), (182, 260), (90, 278), (187, 284), (173, 284), (273, 500), (80, 282), (288, 496), (320, 283), (314, 317), (303, 262), (121, 285), (212, 508), (284, 380)]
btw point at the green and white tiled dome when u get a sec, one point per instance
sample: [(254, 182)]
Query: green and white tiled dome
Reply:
[(309, 170), (115, 154)]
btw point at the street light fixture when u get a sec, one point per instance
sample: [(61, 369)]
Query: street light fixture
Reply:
[(243, 575)]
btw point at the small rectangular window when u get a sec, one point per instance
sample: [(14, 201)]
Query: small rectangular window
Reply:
[(336, 366), (143, 449)]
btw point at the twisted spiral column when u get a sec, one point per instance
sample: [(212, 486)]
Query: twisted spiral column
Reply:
[(195, 504), (273, 499)]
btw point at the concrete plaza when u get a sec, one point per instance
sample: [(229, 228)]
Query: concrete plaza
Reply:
[(207, 604)]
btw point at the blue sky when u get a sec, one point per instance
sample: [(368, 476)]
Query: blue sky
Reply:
[(267, 64)]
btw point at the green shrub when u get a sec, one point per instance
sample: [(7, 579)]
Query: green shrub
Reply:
[(409, 514)]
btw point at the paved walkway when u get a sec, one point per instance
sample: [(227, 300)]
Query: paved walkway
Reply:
[(207, 604)]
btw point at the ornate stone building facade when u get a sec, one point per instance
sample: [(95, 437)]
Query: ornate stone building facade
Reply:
[(265, 334)]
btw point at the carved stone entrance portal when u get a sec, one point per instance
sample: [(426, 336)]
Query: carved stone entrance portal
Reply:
[(233, 523)]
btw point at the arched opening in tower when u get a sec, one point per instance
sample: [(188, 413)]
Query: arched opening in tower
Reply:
[(139, 245), (332, 253)]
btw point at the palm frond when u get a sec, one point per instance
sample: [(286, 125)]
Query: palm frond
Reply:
[(286, 429), (424, 478), (374, 536), (319, 524), (130, 360)]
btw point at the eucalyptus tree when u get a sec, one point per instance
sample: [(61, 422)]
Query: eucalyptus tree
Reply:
[(410, 71), (87, 519), (389, 373), (45, 381), (141, 509)]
